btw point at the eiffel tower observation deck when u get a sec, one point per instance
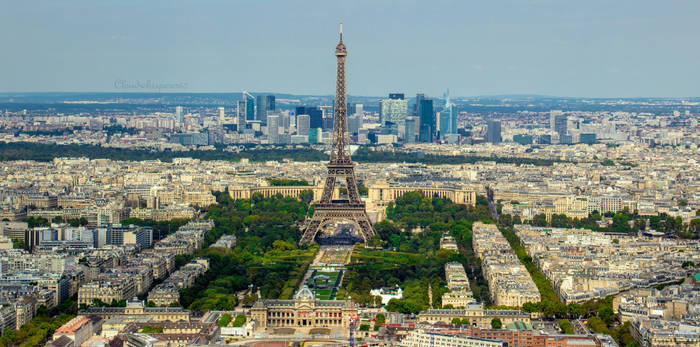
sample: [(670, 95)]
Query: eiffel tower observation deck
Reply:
[(340, 167)]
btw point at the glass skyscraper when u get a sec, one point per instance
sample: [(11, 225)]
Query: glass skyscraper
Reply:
[(410, 130), (393, 110), (265, 103), (427, 120), (493, 132), (249, 108)]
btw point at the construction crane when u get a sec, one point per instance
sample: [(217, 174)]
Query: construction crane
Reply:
[(248, 94)]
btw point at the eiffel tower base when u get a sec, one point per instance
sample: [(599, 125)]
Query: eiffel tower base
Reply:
[(324, 215)]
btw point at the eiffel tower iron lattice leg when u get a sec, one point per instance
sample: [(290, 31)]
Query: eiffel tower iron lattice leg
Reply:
[(340, 167), (323, 216)]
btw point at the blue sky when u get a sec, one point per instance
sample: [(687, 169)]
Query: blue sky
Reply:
[(563, 48)]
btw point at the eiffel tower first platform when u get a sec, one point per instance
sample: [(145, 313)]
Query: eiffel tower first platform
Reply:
[(340, 167)]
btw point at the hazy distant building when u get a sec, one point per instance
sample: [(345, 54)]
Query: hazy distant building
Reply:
[(493, 132), (354, 108), (396, 96), (222, 115), (560, 123), (190, 139), (265, 103), (410, 130), (393, 110), (285, 121), (544, 140), (416, 108), (448, 122), (315, 115), (589, 138), (178, 114), (327, 123), (354, 123), (216, 135), (427, 120), (522, 139), (566, 139), (359, 109), (315, 135), (552, 115), (241, 115), (249, 107), (273, 129), (303, 124)]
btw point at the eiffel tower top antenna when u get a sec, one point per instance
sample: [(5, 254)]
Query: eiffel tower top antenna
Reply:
[(340, 139)]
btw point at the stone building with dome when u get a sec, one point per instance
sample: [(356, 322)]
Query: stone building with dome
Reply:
[(304, 313)]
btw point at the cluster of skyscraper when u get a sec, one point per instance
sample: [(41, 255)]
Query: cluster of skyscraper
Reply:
[(400, 121), (248, 112), (422, 124)]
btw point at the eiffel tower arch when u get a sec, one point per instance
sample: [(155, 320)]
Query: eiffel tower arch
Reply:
[(340, 167)]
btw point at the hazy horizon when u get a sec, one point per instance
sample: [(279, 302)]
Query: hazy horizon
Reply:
[(597, 49)]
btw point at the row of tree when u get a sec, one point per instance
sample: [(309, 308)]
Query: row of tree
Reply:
[(621, 222), (47, 152)]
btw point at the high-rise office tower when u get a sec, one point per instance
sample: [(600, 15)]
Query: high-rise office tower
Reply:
[(249, 107), (221, 115), (178, 114), (285, 121), (354, 123), (560, 122), (327, 122), (427, 120), (352, 108), (315, 135), (448, 123), (315, 115), (552, 115), (493, 132), (393, 110), (448, 118), (303, 124), (241, 115), (359, 109), (273, 128), (265, 104), (410, 130), (416, 108)]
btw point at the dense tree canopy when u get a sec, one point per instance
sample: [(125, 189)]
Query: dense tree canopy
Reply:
[(265, 256), (412, 258)]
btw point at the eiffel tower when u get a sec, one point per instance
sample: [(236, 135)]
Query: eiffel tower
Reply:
[(340, 167)]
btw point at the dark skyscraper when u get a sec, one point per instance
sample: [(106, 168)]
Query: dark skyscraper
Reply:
[(352, 109), (249, 107), (589, 138), (410, 130), (427, 120), (493, 132), (315, 115), (265, 103), (560, 124), (416, 107), (522, 139), (396, 96)]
